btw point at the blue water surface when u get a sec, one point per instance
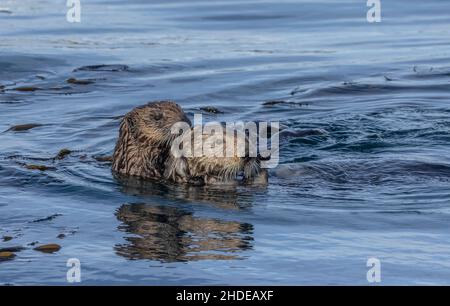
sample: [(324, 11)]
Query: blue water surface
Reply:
[(364, 169)]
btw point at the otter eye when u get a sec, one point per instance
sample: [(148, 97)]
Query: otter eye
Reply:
[(157, 116)]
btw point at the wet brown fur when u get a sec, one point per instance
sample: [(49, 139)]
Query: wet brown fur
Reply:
[(145, 139), (143, 150)]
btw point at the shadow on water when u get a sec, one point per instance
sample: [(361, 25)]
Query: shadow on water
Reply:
[(170, 234)]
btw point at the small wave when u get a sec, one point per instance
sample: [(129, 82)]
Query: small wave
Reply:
[(420, 73), (360, 171), (358, 89), (244, 17), (103, 68)]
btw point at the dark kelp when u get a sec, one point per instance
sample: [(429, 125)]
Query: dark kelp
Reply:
[(23, 127), (48, 248)]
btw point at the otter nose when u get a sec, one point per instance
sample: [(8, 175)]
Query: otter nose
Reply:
[(260, 157)]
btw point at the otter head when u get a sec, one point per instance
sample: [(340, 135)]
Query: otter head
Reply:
[(227, 170), (221, 161), (149, 125), (144, 139)]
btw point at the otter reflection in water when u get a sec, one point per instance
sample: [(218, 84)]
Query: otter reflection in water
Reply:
[(224, 197), (169, 234)]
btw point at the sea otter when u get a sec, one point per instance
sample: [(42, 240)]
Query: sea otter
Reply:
[(144, 150)]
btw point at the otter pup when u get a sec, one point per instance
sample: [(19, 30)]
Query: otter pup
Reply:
[(144, 150), (215, 167)]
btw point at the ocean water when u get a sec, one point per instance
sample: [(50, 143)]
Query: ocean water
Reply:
[(364, 170)]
